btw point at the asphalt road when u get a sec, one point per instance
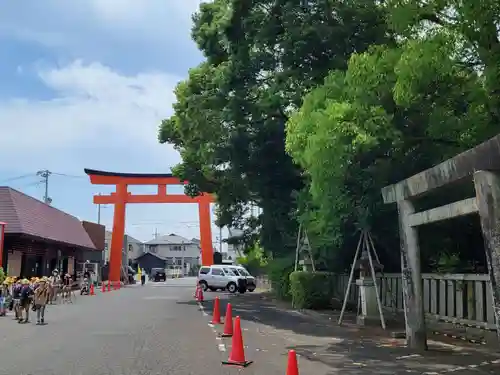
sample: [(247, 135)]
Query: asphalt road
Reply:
[(135, 330), (159, 329)]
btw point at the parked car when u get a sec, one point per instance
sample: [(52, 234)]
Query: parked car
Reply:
[(158, 274), (241, 271), (221, 277)]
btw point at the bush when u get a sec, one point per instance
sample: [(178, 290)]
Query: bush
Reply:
[(311, 290), (278, 272), (2, 275)]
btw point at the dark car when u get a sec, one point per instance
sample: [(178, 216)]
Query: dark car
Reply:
[(158, 274)]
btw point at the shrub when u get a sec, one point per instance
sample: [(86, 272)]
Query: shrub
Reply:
[(278, 272), (311, 290), (2, 275)]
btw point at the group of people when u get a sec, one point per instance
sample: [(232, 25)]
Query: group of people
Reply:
[(22, 295)]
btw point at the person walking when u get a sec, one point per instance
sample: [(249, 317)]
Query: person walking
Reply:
[(25, 301), (4, 293), (16, 297), (42, 294)]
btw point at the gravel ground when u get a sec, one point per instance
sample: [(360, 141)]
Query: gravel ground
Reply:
[(135, 330), (324, 348)]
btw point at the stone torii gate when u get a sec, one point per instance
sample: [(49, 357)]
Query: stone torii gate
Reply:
[(480, 164), (121, 197)]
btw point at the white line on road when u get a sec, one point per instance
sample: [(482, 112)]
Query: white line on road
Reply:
[(461, 368), (220, 346)]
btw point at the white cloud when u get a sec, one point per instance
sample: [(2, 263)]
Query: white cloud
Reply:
[(85, 27), (94, 108), (99, 117)]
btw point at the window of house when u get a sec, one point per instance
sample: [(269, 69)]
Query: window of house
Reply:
[(130, 248), (176, 248), (217, 272), (179, 262), (153, 248)]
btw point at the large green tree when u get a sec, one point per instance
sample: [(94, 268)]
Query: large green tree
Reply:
[(262, 57), (396, 111)]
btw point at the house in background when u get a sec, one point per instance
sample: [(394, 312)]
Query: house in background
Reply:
[(148, 261), (132, 248), (233, 251), (174, 250)]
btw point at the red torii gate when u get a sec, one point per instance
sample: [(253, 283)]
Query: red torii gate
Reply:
[(121, 197)]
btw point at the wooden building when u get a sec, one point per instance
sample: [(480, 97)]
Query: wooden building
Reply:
[(40, 238)]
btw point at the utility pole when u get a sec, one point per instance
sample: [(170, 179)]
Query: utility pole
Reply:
[(99, 212), (183, 248), (45, 176), (155, 234), (220, 240)]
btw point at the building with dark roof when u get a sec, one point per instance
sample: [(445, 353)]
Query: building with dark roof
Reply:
[(40, 238)]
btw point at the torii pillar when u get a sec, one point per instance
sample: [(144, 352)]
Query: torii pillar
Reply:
[(121, 197)]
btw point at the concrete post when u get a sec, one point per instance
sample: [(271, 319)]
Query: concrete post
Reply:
[(369, 308), (416, 335), (487, 186)]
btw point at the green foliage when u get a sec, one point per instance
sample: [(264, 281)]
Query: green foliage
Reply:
[(311, 290), (254, 260), (2, 275), (394, 112), (278, 272), (229, 119), (306, 111)]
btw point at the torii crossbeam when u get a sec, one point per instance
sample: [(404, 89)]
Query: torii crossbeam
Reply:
[(121, 197)]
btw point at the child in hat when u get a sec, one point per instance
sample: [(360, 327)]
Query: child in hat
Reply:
[(42, 294)]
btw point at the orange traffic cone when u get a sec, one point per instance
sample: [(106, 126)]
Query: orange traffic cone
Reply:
[(292, 367), (92, 290), (200, 296), (228, 322), (237, 356), (195, 295), (103, 287), (109, 286), (216, 312)]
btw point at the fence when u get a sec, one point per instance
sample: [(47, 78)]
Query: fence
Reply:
[(465, 299)]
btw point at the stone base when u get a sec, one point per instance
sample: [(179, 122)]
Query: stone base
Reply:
[(368, 320)]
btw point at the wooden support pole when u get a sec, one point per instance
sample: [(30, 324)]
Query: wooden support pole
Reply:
[(487, 186), (416, 335)]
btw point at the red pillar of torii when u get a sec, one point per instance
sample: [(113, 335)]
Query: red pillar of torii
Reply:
[(121, 197)]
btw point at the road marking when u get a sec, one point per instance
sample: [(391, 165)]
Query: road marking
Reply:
[(409, 356), (220, 346), (461, 368)]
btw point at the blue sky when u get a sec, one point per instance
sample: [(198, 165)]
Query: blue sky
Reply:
[(85, 83)]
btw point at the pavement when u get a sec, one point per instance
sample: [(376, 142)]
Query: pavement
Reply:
[(160, 329), (134, 330)]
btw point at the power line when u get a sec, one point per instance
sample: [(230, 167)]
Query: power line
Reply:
[(67, 175), (16, 178)]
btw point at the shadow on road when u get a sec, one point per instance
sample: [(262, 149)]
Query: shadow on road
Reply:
[(353, 349)]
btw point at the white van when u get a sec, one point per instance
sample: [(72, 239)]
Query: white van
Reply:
[(242, 271), (221, 277)]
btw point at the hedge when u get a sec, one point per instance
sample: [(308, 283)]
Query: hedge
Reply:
[(278, 272), (311, 290)]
